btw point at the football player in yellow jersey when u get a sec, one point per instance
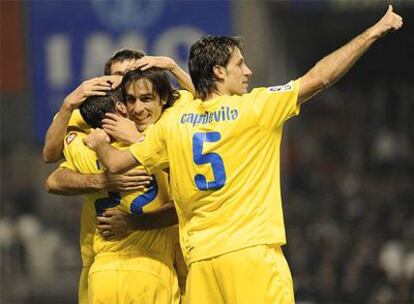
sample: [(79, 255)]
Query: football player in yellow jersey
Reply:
[(139, 267), (64, 181), (223, 155)]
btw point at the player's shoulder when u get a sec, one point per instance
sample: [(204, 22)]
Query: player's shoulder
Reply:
[(75, 135), (185, 95), (259, 93)]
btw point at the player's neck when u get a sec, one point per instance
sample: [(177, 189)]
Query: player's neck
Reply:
[(220, 91)]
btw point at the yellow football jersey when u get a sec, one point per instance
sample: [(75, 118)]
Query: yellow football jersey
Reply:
[(76, 120), (161, 241), (224, 156)]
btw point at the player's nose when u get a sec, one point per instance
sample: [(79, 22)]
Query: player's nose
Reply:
[(247, 71), (139, 107)]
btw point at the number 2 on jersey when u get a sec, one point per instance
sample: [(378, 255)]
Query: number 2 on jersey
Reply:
[(212, 158)]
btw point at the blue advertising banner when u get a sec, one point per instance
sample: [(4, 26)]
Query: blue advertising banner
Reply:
[(71, 40)]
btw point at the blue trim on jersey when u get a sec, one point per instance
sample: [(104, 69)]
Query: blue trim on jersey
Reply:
[(145, 198)]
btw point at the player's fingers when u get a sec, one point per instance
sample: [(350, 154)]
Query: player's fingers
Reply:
[(99, 87), (134, 188), (101, 227), (109, 121), (95, 93), (109, 78), (128, 180), (109, 127), (135, 183), (138, 64), (108, 235), (137, 172), (112, 116), (111, 212), (102, 221), (146, 67), (111, 131)]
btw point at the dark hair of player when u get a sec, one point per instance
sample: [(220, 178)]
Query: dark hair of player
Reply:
[(93, 109), (206, 53), (122, 55), (160, 82)]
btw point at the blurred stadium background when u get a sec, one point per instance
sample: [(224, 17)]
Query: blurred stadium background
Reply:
[(348, 176)]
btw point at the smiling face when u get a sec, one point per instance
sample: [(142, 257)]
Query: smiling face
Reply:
[(236, 74), (144, 106)]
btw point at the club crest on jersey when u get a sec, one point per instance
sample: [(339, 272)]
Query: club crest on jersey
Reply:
[(70, 138), (282, 88)]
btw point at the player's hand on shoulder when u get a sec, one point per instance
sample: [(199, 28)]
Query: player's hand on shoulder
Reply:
[(121, 128), (389, 22), (95, 138)]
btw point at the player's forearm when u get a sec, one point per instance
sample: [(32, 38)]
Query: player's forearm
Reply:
[(183, 79), (67, 182), (116, 161), (334, 66), (53, 147), (164, 217)]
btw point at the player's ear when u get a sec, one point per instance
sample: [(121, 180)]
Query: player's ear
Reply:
[(219, 72), (121, 108)]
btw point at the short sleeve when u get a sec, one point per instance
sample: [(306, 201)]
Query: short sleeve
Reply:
[(78, 156), (68, 165), (76, 120), (152, 152), (274, 105)]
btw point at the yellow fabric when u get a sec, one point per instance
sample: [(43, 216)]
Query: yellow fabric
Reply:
[(233, 143), (133, 278), (76, 120), (157, 242), (258, 274), (83, 286)]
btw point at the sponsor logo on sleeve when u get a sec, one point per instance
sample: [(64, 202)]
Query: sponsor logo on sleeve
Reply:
[(282, 88)]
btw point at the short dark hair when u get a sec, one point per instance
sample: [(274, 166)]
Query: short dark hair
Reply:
[(206, 53), (122, 55), (160, 82), (94, 108)]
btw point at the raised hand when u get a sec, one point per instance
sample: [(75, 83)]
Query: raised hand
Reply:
[(96, 86), (161, 62), (96, 138), (389, 22), (121, 128)]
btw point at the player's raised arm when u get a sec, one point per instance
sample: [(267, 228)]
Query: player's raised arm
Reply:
[(116, 161), (331, 68), (167, 63), (53, 147)]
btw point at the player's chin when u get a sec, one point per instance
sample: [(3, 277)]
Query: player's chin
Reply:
[(244, 90)]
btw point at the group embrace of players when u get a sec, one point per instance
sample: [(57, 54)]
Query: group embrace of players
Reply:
[(147, 156)]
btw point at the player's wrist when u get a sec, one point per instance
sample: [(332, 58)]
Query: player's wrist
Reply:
[(68, 105), (375, 32)]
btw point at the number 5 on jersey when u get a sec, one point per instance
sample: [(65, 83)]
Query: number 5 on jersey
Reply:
[(211, 158)]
